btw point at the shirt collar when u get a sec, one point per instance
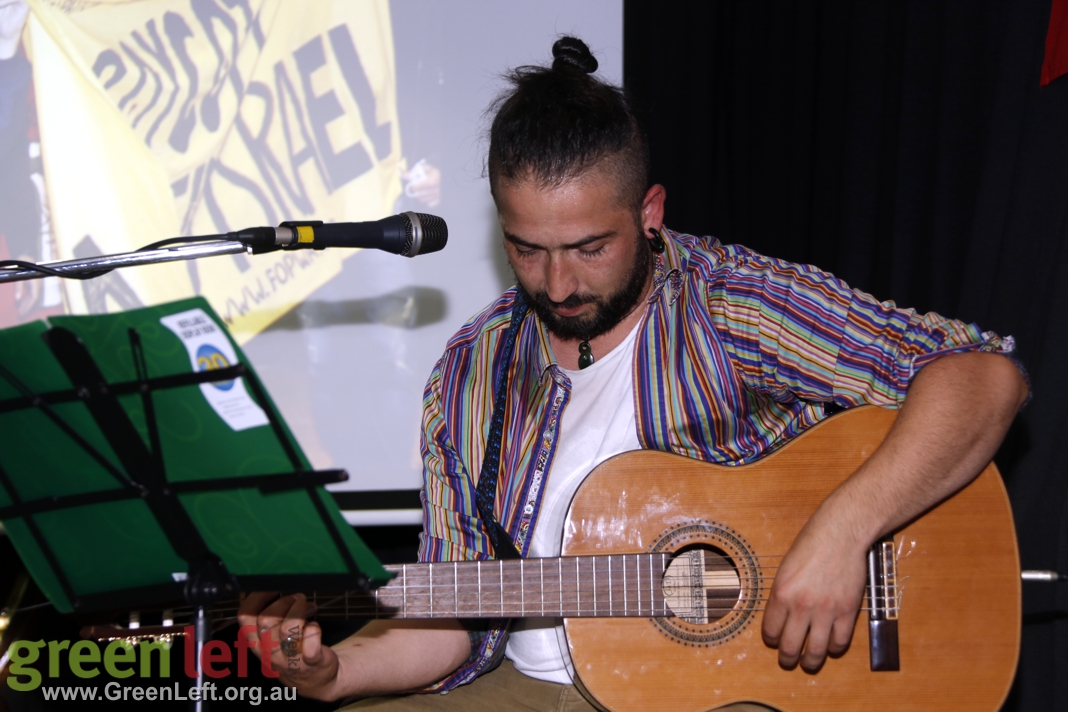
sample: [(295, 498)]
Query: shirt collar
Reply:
[(542, 353), (668, 269)]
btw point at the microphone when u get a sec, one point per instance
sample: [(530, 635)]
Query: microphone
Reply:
[(408, 234)]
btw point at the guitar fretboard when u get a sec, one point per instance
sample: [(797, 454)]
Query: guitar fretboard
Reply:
[(692, 586), (570, 587)]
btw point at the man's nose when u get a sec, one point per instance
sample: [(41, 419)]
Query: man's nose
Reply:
[(560, 282)]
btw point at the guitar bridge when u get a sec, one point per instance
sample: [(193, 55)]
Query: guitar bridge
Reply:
[(883, 607)]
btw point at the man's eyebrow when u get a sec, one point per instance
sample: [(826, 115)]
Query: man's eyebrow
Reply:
[(516, 240)]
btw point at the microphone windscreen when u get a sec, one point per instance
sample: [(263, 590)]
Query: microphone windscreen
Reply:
[(435, 233)]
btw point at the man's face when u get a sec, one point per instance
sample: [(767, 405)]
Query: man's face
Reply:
[(577, 252)]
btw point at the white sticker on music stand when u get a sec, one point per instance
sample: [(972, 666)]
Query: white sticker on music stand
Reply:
[(209, 350)]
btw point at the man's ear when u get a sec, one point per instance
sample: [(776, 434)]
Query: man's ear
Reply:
[(653, 208)]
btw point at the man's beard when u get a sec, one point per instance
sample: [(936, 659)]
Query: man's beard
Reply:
[(608, 311)]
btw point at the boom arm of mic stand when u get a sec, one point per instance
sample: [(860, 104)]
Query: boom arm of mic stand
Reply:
[(89, 265)]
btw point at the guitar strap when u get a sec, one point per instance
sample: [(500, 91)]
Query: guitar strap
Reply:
[(486, 492)]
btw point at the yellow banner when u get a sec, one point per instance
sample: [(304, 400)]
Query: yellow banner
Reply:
[(161, 118)]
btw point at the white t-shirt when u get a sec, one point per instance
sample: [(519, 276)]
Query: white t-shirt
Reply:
[(599, 422)]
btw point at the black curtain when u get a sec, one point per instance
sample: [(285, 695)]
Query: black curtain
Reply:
[(906, 146)]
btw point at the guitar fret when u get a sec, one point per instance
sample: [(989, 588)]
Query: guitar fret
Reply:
[(578, 592), (541, 566), (651, 583), (522, 590), (663, 572), (638, 575), (500, 573), (637, 585), (593, 565), (455, 590), (638, 582), (560, 583), (611, 606), (430, 589), (404, 588), (479, 592), (652, 597), (625, 609)]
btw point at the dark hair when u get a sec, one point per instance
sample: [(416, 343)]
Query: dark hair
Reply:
[(556, 123)]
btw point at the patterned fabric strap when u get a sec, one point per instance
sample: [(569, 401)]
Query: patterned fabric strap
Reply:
[(486, 492)]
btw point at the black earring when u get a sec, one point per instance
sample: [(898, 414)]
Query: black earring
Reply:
[(656, 243)]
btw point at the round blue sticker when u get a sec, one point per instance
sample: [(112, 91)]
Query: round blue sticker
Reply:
[(210, 358)]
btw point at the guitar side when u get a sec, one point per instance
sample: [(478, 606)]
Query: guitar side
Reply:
[(958, 568)]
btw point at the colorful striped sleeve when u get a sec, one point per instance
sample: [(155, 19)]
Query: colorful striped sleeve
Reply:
[(455, 400), (451, 529), (797, 332)]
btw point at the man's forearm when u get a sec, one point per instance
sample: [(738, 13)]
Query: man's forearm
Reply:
[(398, 655), (953, 419)]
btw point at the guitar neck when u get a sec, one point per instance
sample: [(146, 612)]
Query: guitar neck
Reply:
[(616, 585), (566, 587)]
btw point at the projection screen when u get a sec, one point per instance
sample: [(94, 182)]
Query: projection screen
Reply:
[(126, 122)]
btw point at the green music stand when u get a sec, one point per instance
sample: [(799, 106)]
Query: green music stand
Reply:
[(142, 463)]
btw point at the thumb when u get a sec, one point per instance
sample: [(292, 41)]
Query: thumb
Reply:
[(312, 644)]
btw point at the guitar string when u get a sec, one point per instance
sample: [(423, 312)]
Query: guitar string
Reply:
[(657, 612), (513, 599), (447, 611), (716, 613), (468, 590), (513, 588), (510, 609), (353, 608), (357, 603)]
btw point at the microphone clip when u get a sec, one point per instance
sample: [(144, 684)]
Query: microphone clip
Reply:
[(292, 234)]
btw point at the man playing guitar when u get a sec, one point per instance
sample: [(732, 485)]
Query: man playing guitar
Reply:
[(623, 335)]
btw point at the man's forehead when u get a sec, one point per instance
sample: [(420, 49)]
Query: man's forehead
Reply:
[(541, 183), (596, 187)]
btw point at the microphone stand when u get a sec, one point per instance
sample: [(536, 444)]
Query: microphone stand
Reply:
[(88, 267), (408, 234)]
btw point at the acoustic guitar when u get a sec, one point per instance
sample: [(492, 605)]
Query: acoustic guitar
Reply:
[(667, 564)]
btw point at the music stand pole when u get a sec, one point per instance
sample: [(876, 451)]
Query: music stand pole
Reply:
[(202, 632)]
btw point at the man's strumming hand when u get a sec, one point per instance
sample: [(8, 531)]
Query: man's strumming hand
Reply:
[(954, 416), (814, 601), (296, 650)]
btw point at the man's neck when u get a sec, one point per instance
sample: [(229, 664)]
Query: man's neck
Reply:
[(567, 351)]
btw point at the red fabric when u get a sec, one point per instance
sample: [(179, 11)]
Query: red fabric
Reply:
[(1056, 61)]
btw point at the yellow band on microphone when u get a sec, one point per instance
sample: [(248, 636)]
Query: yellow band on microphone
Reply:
[(305, 233)]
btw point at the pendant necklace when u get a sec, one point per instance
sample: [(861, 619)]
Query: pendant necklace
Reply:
[(585, 359)]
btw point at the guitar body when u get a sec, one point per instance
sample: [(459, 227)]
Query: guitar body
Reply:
[(957, 569)]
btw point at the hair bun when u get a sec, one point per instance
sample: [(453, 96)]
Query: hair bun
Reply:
[(572, 53)]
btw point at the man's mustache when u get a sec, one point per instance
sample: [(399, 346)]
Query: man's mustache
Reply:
[(575, 300)]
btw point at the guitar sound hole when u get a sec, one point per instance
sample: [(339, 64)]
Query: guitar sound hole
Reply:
[(701, 584)]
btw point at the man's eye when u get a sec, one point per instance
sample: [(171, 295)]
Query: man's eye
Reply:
[(592, 253)]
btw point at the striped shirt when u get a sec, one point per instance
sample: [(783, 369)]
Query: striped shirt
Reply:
[(736, 354)]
